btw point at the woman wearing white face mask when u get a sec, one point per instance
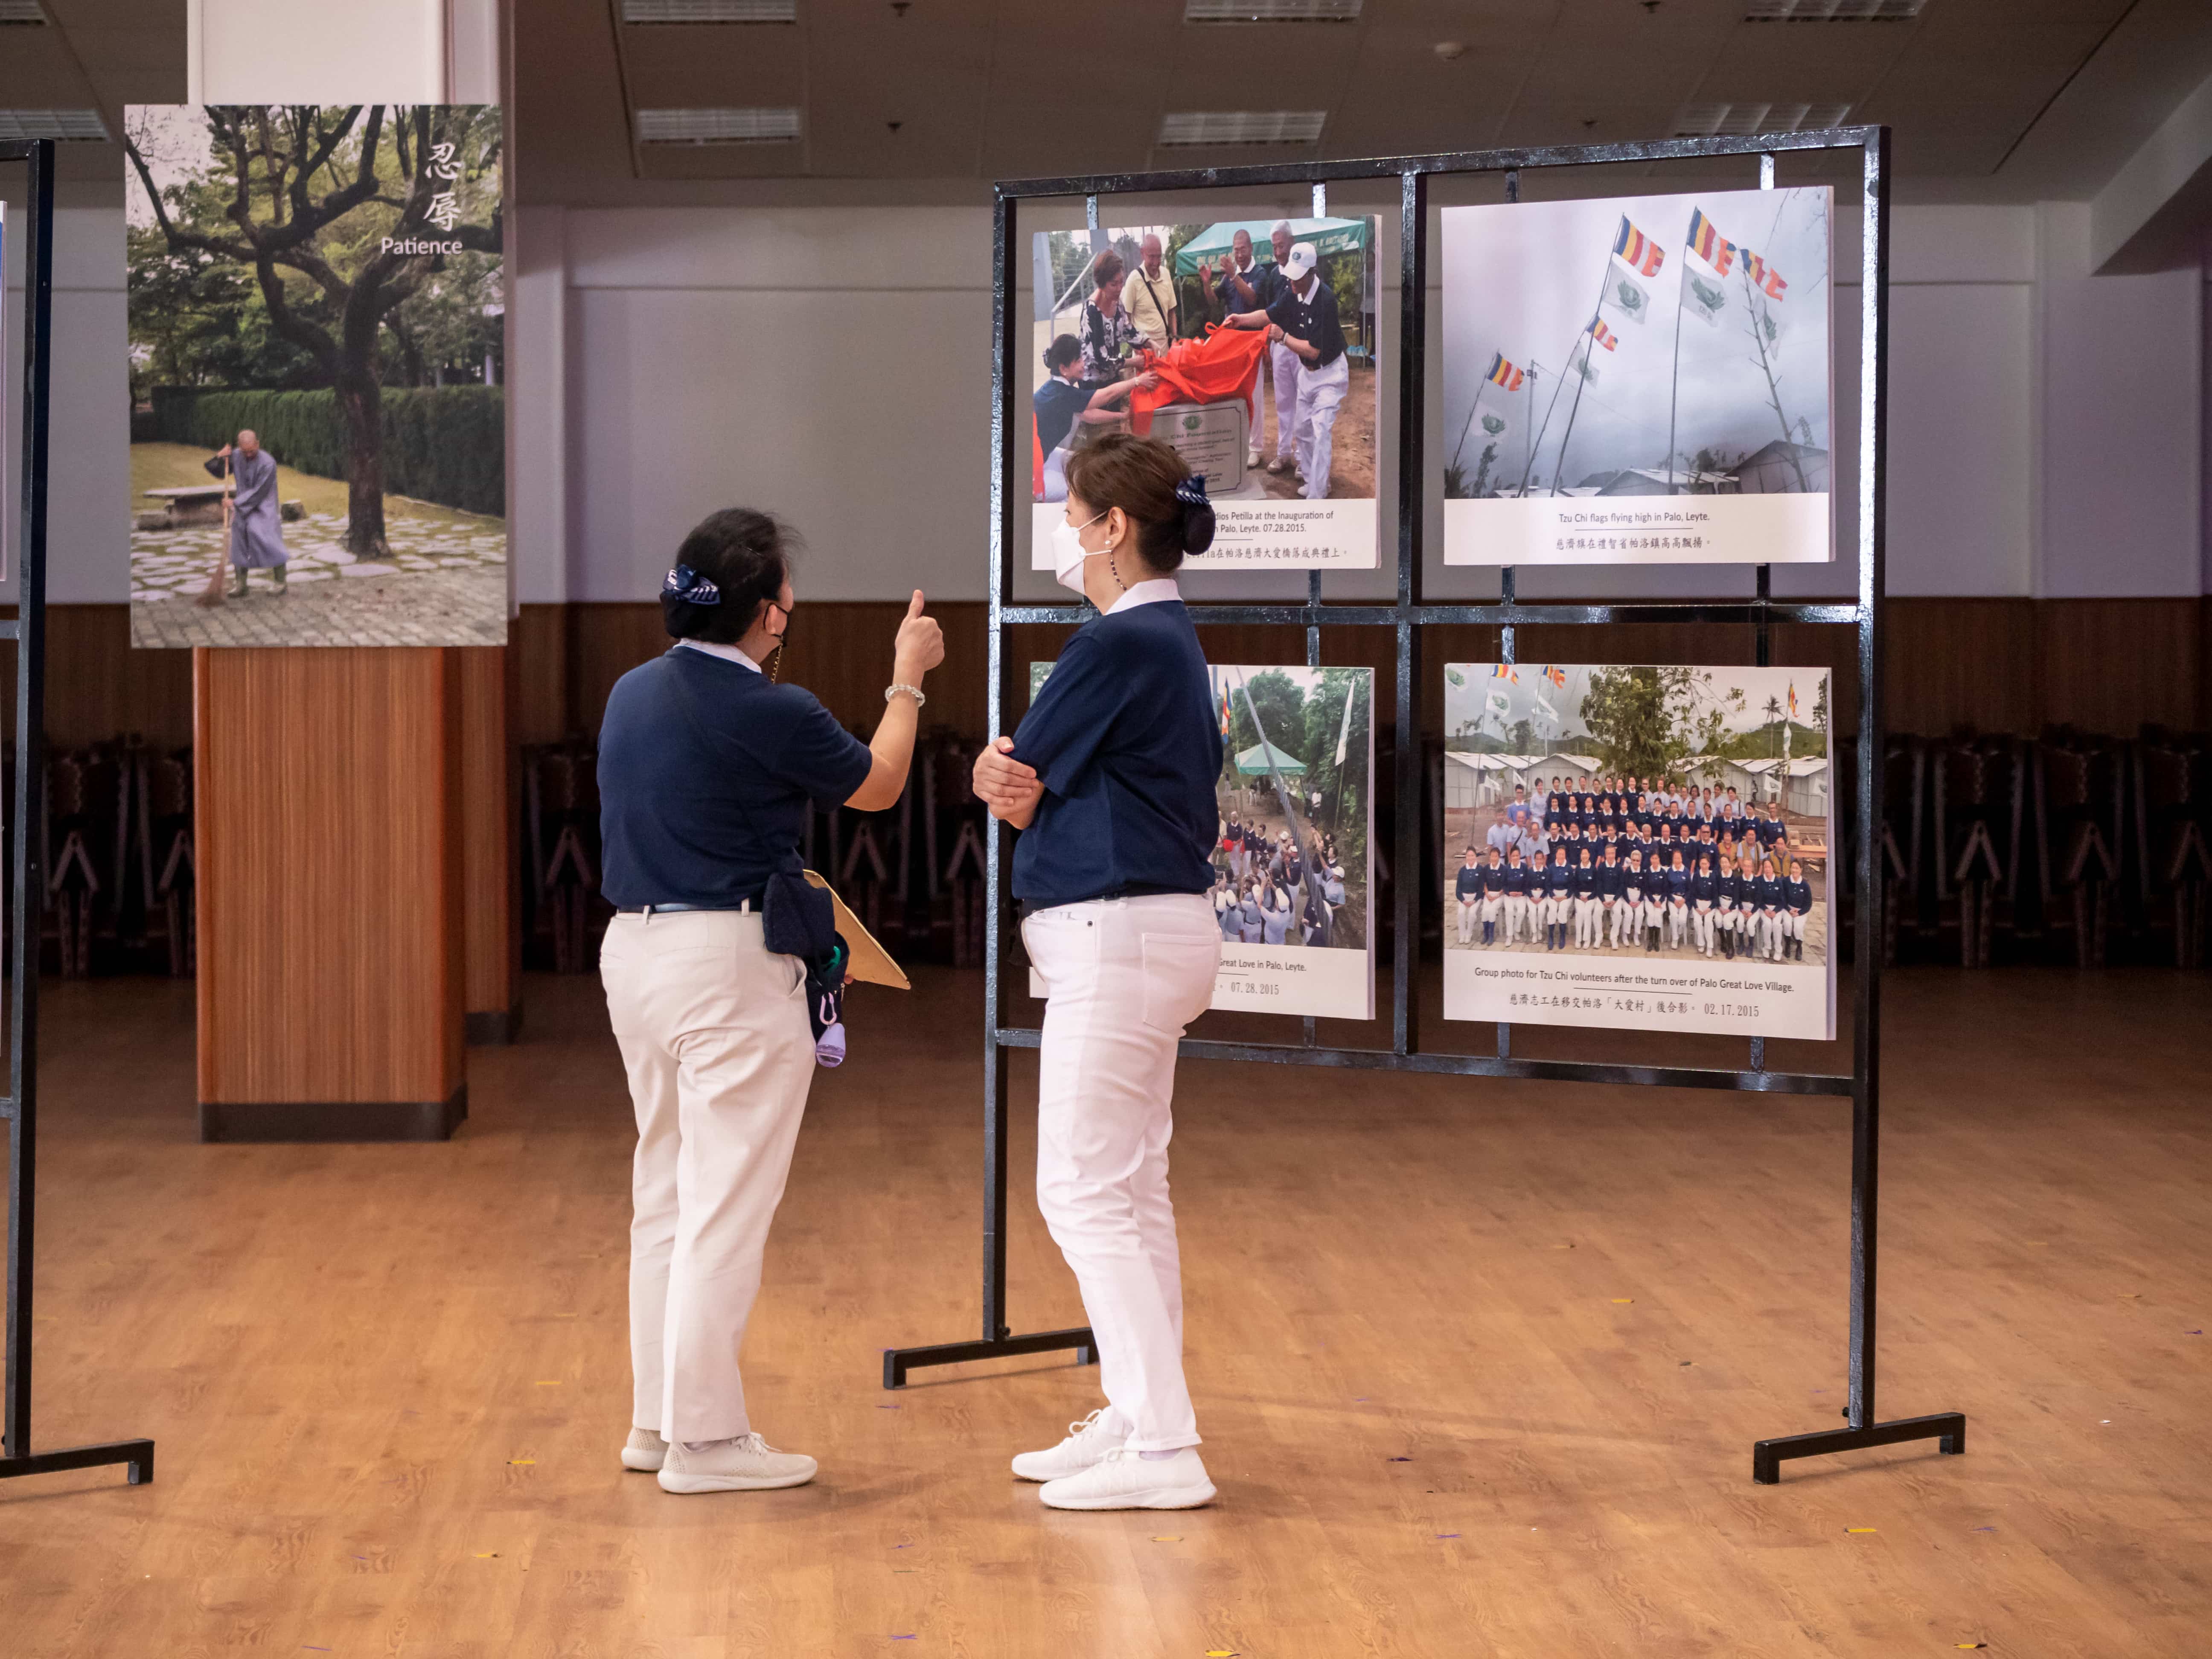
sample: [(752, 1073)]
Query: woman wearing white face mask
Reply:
[(1110, 778)]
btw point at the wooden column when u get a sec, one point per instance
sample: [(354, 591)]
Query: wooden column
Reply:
[(492, 937), (329, 842)]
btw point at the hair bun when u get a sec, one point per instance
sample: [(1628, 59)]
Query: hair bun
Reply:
[(1198, 523)]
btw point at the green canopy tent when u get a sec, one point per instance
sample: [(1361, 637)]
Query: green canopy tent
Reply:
[(1252, 762), (1329, 236)]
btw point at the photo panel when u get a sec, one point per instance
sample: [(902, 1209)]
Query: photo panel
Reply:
[(1293, 887), (318, 405), (1248, 344), (1645, 848), (1643, 380)]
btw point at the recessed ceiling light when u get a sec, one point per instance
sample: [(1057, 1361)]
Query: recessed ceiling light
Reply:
[(1832, 11), (21, 11), (717, 126), (1271, 11), (65, 123), (1749, 120), (1183, 127), (710, 11)]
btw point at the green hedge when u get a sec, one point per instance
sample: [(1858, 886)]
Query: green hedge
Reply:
[(442, 444)]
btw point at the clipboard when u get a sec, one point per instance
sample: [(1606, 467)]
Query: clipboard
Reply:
[(871, 964)]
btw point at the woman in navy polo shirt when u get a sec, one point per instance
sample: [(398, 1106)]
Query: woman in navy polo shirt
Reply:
[(1110, 778), (707, 770), (1063, 406)]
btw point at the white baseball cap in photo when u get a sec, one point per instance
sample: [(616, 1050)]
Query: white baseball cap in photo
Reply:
[(1303, 259)]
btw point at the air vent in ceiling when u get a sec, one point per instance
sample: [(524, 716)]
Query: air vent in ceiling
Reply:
[(65, 123), (1181, 129), (1832, 11), (21, 11), (710, 11), (1749, 120), (717, 126), (1271, 11)]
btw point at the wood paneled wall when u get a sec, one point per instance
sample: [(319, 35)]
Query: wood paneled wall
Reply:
[(330, 866), (492, 939), (1999, 665)]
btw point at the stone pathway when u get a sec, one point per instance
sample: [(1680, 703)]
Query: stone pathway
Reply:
[(369, 604), (444, 585)]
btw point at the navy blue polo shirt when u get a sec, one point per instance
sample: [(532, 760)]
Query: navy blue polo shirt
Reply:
[(1799, 896), (1057, 403), (1469, 882), (1312, 319), (707, 772), (1126, 741)]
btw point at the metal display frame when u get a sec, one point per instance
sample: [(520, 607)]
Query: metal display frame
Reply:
[(1408, 616), (25, 887)]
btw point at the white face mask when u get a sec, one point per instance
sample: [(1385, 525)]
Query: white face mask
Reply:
[(1068, 552)]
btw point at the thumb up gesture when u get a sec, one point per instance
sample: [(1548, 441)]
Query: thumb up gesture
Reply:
[(920, 645)]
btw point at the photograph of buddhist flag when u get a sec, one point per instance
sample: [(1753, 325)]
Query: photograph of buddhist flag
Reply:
[(316, 336), (1630, 437), (1248, 345), (1639, 847)]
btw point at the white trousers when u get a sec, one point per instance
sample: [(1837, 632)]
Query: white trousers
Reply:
[(1701, 926), (720, 1054), (1516, 917), (1589, 923), (1320, 391), (1283, 369), (1468, 913), (1055, 475), (1624, 920), (1122, 978), (1678, 924)]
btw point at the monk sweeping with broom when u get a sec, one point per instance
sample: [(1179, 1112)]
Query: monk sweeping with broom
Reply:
[(253, 524)]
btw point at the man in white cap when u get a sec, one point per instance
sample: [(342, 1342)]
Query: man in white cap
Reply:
[(1302, 320), (1244, 286)]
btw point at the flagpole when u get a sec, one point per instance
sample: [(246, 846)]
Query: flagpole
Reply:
[(1674, 377), (1469, 427), (1535, 447), (1560, 470), (1752, 310)]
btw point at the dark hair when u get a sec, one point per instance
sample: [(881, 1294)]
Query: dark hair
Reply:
[(1107, 265), (1139, 476), (747, 555), (1064, 350)]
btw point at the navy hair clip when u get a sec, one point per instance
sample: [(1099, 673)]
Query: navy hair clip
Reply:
[(1191, 492), (688, 585)]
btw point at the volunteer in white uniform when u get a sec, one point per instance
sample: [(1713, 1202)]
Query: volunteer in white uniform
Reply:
[(1110, 778), (708, 771)]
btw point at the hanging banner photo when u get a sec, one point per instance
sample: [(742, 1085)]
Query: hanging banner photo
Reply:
[(316, 303), (1646, 847), (1247, 344), (1631, 438), (1293, 879)]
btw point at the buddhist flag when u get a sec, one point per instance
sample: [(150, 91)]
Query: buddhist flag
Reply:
[(1503, 372), (1557, 675), (1226, 722), (1709, 245), (1793, 701), (1604, 335), (1637, 251), (1763, 276), (1505, 670)]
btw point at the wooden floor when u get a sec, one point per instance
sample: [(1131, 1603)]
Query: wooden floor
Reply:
[(1479, 1364)]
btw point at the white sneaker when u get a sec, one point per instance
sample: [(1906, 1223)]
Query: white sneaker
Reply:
[(1252, 461), (1124, 1480), (747, 1463), (1088, 1441), (644, 1451)]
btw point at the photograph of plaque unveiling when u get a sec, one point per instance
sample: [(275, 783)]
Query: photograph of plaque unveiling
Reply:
[(1293, 882), (1248, 345), (316, 303), (1639, 847), (1643, 380)]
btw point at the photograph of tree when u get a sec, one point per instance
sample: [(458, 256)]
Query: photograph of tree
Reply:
[(316, 369), (1638, 845)]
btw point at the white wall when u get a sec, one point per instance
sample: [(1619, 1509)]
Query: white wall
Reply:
[(833, 364)]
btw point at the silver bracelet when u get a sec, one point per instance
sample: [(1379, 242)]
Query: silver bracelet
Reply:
[(913, 691)]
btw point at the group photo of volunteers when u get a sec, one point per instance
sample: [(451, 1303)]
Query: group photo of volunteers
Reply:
[(1611, 864)]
